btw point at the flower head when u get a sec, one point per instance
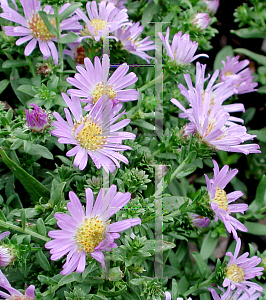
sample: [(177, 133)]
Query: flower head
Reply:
[(92, 82), (240, 270), (210, 121), (103, 19), (221, 202), (235, 295), (34, 30), (201, 20), (6, 254), (199, 221), (233, 73), (94, 134), (37, 119), (182, 49), (129, 38), (212, 5), (88, 232), (13, 293)]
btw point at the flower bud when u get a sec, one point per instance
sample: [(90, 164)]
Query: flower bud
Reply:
[(37, 119), (201, 20), (199, 221), (212, 5)]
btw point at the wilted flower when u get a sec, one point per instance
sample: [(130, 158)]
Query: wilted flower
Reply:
[(129, 38), (76, 52), (199, 221), (34, 30), (89, 232), (240, 270), (37, 118), (235, 295), (92, 82), (221, 202), (233, 73), (103, 19), (201, 20), (93, 135), (209, 121), (212, 5), (13, 293), (182, 49)]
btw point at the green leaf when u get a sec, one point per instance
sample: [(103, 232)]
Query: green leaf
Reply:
[(57, 195), (23, 219), (42, 260), (27, 89), (70, 278), (208, 245), (32, 186), (41, 229), (261, 134), (69, 38), (202, 265), (2, 216), (3, 85), (40, 150), (113, 293), (14, 78), (68, 11), (14, 64), (143, 124), (46, 21), (261, 59), (221, 55), (255, 228), (249, 33), (149, 12)]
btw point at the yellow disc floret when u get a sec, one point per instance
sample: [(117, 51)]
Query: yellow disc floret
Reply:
[(98, 24), (235, 274), (221, 198), (39, 29), (90, 136), (90, 234), (102, 89)]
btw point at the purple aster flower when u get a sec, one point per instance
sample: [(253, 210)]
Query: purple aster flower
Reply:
[(235, 295), (129, 38), (221, 202), (34, 30), (212, 5), (182, 49), (240, 270), (219, 92), (13, 293), (209, 123), (201, 20), (88, 232), (93, 135), (103, 19), (199, 221), (233, 72), (37, 119), (92, 82)]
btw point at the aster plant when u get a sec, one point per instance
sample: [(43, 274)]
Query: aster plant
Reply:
[(88, 232)]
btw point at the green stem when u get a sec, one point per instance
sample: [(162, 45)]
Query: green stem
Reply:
[(151, 83), (58, 33), (32, 69), (26, 231), (202, 284)]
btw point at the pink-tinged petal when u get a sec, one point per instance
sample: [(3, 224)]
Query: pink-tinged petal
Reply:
[(98, 255), (30, 47), (82, 262), (74, 207), (124, 224), (44, 48), (89, 201), (30, 292), (54, 52), (23, 40), (4, 234), (72, 264)]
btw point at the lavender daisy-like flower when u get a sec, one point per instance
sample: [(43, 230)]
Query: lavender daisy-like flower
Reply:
[(240, 270), (235, 73), (103, 19), (199, 221), (219, 92), (201, 20), (209, 123), (88, 232), (92, 82), (182, 49), (235, 295), (37, 119), (34, 30), (13, 293), (221, 202), (129, 38), (95, 135)]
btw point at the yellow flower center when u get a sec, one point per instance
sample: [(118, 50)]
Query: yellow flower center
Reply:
[(235, 273), (102, 89), (98, 24), (221, 198), (227, 73), (90, 234), (39, 29), (90, 136)]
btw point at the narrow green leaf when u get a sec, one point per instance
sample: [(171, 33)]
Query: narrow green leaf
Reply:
[(41, 229), (69, 38), (208, 245), (40, 150), (143, 124), (27, 89), (46, 21), (42, 260), (23, 219), (57, 194), (70, 278), (249, 33), (221, 55), (261, 59), (69, 10), (14, 78), (14, 64), (32, 186), (2, 216), (261, 134), (255, 228), (202, 265), (3, 85)]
